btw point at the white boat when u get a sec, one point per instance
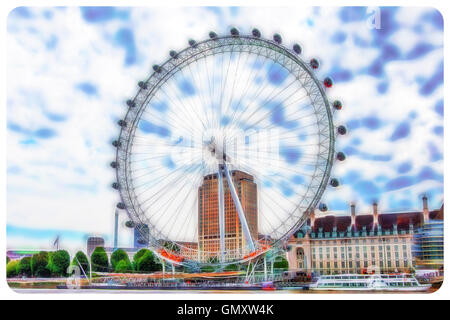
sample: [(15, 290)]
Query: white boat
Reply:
[(373, 282)]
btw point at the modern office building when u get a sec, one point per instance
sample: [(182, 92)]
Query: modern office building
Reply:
[(358, 243), (208, 215), (141, 236), (429, 243), (94, 242)]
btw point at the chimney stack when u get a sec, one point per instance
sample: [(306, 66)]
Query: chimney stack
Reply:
[(375, 213), (353, 211), (426, 212)]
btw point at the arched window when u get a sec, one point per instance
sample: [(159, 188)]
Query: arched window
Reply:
[(300, 258)]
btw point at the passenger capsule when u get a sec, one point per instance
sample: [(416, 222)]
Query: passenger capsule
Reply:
[(173, 54), (121, 205), (334, 182), (122, 123), (297, 49), (234, 32), (256, 33), (337, 105), (340, 156), (116, 143), (277, 38), (314, 63), (328, 82), (115, 185), (114, 164), (323, 207), (192, 42), (131, 103), (142, 85), (157, 68), (342, 130), (212, 35), (129, 224)]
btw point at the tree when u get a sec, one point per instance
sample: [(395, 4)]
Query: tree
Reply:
[(123, 266), (39, 262), (24, 267), (148, 263), (117, 256), (11, 268), (281, 264), (207, 268), (139, 254), (232, 267), (99, 260), (58, 263), (7, 259), (81, 259)]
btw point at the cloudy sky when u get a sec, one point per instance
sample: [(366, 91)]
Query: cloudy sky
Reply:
[(70, 70)]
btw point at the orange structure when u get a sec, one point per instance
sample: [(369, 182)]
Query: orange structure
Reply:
[(208, 216)]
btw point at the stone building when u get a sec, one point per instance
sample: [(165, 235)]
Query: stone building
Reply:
[(358, 243)]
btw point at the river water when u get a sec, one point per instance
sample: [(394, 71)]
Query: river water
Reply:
[(136, 291)]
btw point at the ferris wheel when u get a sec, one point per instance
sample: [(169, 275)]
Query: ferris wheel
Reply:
[(226, 149)]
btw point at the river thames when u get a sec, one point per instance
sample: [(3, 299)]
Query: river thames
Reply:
[(137, 291)]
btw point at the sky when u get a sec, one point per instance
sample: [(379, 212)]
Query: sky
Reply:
[(70, 71)]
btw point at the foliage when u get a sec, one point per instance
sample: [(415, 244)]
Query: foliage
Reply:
[(117, 256), (281, 264), (207, 268), (24, 267), (148, 263), (39, 262), (139, 254), (232, 267), (7, 259), (123, 266), (99, 260), (11, 268), (81, 259), (58, 262)]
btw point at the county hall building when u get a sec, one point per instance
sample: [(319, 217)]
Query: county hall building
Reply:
[(358, 243)]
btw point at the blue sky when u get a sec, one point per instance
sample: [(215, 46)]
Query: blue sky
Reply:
[(71, 69)]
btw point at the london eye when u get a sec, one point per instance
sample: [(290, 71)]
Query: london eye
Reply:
[(226, 149)]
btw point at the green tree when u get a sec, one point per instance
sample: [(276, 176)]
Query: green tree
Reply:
[(207, 268), (148, 263), (58, 262), (81, 259), (232, 267), (39, 262), (24, 267), (11, 268), (139, 254), (7, 259), (281, 264), (123, 266), (99, 260), (117, 256)]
